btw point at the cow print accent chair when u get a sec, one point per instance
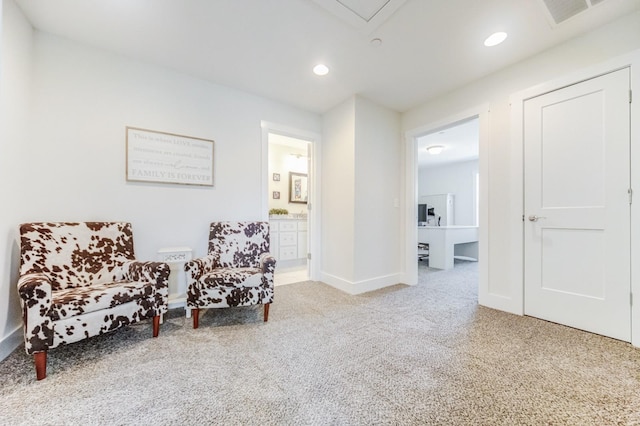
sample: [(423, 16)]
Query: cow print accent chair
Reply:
[(79, 280), (237, 271)]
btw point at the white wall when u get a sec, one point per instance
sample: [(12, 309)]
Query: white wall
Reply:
[(457, 179), (377, 184), (618, 37), (282, 162), (338, 193), (15, 80), (82, 99), (361, 192)]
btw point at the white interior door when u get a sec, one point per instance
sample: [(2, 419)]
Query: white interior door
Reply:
[(577, 212)]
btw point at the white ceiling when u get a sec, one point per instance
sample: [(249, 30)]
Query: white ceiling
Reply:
[(298, 145), (460, 142), (429, 47)]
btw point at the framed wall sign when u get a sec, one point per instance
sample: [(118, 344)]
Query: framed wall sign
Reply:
[(298, 188), (154, 156)]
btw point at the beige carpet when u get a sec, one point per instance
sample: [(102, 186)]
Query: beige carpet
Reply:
[(404, 355)]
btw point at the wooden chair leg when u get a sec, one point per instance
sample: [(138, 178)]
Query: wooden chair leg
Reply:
[(195, 313), (266, 311), (40, 359), (156, 325)]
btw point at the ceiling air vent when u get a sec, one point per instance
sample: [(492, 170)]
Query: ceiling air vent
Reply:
[(559, 11)]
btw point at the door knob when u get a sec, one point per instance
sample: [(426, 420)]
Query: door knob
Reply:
[(534, 218)]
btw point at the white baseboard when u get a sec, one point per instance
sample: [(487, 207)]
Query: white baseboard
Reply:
[(408, 279), (10, 342), (500, 303), (359, 287)]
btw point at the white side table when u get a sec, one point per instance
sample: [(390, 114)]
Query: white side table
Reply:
[(176, 257)]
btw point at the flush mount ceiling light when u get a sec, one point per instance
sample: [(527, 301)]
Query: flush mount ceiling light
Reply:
[(321, 69), (435, 149), (495, 39)]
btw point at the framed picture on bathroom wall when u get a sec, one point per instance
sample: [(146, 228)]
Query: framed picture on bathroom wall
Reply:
[(298, 188)]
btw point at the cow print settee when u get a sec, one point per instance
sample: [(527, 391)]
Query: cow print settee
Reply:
[(79, 280)]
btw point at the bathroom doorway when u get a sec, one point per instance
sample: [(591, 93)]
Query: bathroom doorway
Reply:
[(289, 196)]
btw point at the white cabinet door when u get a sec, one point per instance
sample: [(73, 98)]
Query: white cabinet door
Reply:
[(302, 244), (577, 212), (303, 247), (274, 240)]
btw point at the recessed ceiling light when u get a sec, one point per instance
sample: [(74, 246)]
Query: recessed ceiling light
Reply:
[(435, 149), (321, 69), (376, 42), (495, 39)]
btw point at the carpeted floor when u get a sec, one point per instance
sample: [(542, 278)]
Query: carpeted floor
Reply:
[(403, 355)]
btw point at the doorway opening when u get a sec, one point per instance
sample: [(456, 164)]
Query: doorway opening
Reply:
[(448, 195), (288, 194)]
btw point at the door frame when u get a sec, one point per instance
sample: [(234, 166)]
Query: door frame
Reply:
[(410, 218), (516, 224), (313, 212)]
